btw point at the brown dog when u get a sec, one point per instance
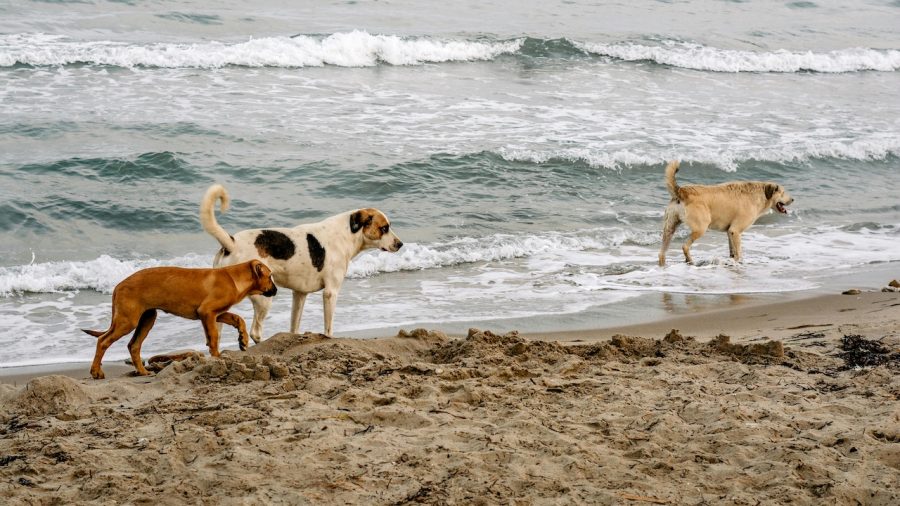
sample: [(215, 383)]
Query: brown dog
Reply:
[(729, 207), (195, 294)]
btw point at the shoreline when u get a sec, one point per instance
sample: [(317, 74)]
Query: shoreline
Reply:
[(761, 319), (742, 317)]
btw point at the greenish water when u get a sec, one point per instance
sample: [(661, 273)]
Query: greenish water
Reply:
[(518, 149)]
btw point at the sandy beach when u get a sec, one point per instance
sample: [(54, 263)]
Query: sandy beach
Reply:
[(771, 414), (524, 345)]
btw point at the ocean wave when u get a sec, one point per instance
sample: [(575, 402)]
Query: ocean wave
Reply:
[(601, 250), (593, 158), (561, 48), (154, 165), (103, 273), (877, 148), (497, 247), (699, 57), (362, 49), (347, 49)]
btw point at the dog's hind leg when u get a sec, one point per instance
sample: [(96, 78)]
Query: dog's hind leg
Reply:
[(238, 323), (134, 345), (695, 234), (119, 328), (261, 305), (297, 310), (670, 224)]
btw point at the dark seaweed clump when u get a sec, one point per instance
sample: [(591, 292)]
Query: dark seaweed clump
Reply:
[(860, 352)]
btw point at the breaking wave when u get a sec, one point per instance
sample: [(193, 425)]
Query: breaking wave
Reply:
[(105, 272), (362, 49), (349, 49), (699, 57)]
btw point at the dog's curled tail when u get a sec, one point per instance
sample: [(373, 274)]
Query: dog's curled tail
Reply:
[(671, 169), (215, 193), (95, 333)]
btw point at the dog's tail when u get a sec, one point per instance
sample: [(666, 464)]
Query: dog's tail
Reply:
[(215, 193), (671, 169), (95, 333)]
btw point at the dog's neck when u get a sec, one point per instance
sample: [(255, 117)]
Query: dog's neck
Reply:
[(353, 243), (241, 290)]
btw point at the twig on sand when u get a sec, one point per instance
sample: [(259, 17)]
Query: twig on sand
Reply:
[(447, 413), (643, 498), (364, 431)]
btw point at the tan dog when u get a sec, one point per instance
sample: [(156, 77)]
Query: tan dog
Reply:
[(305, 258), (195, 294), (728, 207)]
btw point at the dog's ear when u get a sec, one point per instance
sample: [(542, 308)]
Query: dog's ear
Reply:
[(359, 219), (771, 188), (258, 269)]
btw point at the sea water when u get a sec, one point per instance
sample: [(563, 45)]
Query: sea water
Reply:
[(517, 147)]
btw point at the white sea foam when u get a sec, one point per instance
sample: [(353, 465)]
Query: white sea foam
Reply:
[(493, 278), (101, 274), (874, 148), (593, 158), (784, 263), (807, 253), (695, 56), (485, 249), (361, 49), (348, 49)]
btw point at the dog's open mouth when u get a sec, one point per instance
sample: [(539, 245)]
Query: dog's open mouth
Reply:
[(780, 208)]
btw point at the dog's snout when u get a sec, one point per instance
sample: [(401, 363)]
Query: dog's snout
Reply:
[(272, 291), (398, 244)]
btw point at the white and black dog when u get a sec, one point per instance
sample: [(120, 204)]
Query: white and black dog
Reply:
[(306, 258)]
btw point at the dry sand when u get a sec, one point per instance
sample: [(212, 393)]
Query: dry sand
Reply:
[(484, 419)]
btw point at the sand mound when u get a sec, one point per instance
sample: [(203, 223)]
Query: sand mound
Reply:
[(49, 395), (489, 418), (236, 368)]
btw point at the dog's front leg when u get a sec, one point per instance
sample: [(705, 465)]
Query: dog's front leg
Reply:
[(261, 305), (329, 299), (734, 245), (238, 323), (212, 332), (297, 310)]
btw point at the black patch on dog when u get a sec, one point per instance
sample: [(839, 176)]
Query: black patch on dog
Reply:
[(770, 190), (274, 244), (316, 252), (357, 222)]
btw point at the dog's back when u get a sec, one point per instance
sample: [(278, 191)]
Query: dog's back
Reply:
[(154, 288)]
